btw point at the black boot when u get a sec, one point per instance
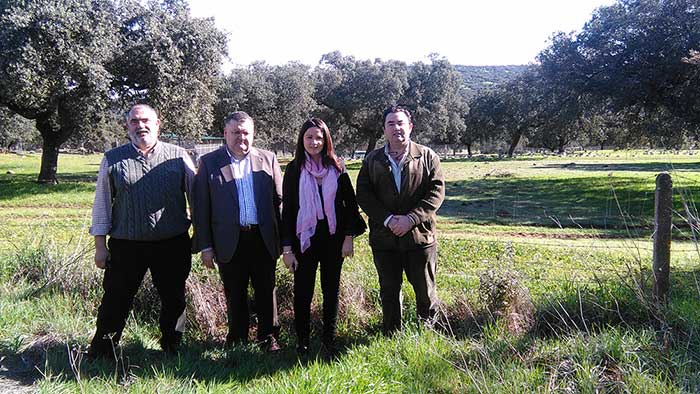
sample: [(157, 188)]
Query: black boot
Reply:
[(303, 347), (103, 347), (171, 343), (329, 351)]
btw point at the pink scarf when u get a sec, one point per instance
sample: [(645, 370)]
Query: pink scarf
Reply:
[(310, 208)]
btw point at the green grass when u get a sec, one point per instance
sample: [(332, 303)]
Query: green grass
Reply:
[(575, 231)]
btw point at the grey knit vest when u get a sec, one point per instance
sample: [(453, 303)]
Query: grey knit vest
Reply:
[(148, 198)]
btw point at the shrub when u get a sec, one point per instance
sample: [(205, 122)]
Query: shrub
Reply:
[(506, 298)]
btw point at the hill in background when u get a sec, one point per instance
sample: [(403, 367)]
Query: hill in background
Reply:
[(477, 78)]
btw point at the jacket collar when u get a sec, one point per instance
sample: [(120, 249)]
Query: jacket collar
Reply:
[(256, 158), (414, 151)]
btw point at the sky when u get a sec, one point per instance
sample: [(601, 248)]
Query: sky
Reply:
[(485, 32)]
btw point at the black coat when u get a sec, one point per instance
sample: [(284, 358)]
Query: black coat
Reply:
[(348, 219)]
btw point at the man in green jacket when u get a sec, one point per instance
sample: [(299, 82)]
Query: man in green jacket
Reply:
[(400, 187)]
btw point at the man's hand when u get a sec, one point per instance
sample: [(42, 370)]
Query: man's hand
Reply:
[(400, 225), (290, 261), (101, 252), (207, 258), (348, 249)]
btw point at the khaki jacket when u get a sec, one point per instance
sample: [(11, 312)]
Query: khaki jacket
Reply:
[(422, 192)]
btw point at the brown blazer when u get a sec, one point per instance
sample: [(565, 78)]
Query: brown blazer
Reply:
[(215, 212), (421, 194)]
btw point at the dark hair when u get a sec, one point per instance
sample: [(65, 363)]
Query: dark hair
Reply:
[(237, 116), (328, 156), (394, 109), (142, 105)]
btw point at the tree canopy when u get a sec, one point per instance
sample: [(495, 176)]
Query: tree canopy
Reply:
[(279, 98), (631, 57), (71, 64), (630, 77)]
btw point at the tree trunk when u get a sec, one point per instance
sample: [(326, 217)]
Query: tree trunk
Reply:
[(469, 150), (562, 144), (371, 144), (513, 143), (53, 136), (49, 163)]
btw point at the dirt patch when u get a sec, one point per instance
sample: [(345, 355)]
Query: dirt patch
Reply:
[(9, 386)]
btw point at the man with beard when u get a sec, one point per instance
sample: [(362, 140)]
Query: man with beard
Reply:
[(140, 202)]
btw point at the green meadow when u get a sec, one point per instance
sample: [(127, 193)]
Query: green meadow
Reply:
[(544, 273)]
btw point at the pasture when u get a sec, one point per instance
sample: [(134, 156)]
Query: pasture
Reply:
[(544, 272)]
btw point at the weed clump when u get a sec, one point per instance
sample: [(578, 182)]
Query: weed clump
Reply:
[(505, 297), (48, 266), (359, 307), (206, 306), (69, 269)]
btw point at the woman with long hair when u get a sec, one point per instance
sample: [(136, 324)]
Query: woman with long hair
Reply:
[(320, 217)]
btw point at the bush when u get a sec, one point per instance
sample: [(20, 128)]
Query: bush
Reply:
[(505, 297)]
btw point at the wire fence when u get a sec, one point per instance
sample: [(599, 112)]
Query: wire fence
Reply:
[(614, 225)]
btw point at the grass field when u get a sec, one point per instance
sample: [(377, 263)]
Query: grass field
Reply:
[(543, 271)]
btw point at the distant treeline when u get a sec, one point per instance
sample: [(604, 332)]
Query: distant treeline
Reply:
[(68, 70)]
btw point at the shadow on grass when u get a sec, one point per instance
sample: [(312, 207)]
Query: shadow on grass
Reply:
[(205, 361), (592, 202), (23, 185), (573, 309), (634, 167)]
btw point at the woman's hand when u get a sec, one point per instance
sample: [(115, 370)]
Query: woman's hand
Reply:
[(290, 260), (348, 249)]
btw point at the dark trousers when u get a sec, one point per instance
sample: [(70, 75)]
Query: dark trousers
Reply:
[(250, 263), (169, 262), (326, 251), (420, 266)]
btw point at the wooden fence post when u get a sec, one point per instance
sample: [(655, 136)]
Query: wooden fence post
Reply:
[(663, 210)]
